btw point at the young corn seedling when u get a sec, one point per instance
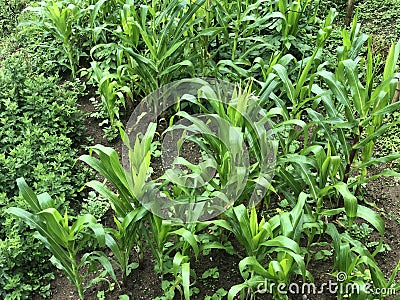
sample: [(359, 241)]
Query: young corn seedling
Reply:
[(357, 271), (122, 240), (63, 240), (363, 107), (130, 213), (162, 231), (181, 282), (112, 93), (280, 235)]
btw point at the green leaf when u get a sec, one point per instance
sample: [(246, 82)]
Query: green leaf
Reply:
[(283, 242), (371, 137), (189, 237), (336, 87), (372, 217), (357, 90), (391, 61), (282, 73), (387, 109), (186, 280), (29, 195), (350, 201)]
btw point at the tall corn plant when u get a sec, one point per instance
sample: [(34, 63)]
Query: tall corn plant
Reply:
[(63, 240), (244, 127), (322, 161), (292, 98), (361, 104), (59, 19), (229, 33), (155, 41), (130, 183)]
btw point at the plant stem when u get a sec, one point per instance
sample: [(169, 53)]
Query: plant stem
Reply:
[(350, 162), (77, 279), (349, 12), (397, 92)]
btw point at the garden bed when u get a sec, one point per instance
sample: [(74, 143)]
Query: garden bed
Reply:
[(287, 109)]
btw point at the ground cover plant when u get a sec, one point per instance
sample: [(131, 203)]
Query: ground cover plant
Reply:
[(41, 126), (275, 132)]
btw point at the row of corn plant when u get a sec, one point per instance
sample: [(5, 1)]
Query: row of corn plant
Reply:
[(325, 120), (137, 47)]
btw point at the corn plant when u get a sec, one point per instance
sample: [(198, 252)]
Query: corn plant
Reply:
[(128, 183), (291, 12), (112, 92), (174, 245), (276, 76), (63, 240), (291, 99), (360, 268), (353, 41), (129, 212), (165, 37), (161, 232), (235, 51), (278, 271), (186, 239), (59, 20), (260, 240), (122, 240), (235, 46), (361, 109), (226, 147), (181, 281), (242, 127)]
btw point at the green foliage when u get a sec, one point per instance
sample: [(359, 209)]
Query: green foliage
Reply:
[(21, 275), (9, 15), (62, 240), (127, 235), (95, 205), (354, 264), (327, 113), (41, 128), (385, 31), (261, 240)]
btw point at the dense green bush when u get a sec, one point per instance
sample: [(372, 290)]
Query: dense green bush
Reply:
[(40, 131), (9, 14)]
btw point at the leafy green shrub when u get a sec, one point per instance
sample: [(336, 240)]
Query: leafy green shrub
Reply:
[(42, 125), (21, 275), (9, 13), (40, 130)]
